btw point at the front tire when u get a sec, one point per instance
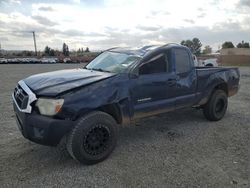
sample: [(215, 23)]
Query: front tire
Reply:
[(216, 107), (93, 138)]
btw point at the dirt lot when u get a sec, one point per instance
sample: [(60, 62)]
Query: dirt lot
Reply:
[(179, 149)]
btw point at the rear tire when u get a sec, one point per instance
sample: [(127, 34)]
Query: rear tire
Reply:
[(216, 107), (93, 138)]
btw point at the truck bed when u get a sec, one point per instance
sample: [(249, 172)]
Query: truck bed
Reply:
[(208, 76), (205, 72)]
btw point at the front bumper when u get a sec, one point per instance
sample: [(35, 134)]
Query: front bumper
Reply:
[(41, 129)]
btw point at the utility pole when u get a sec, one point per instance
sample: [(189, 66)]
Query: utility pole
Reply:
[(34, 38)]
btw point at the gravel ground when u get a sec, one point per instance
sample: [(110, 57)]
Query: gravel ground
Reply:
[(180, 149)]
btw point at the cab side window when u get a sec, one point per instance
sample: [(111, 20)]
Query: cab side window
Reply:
[(157, 64), (182, 61)]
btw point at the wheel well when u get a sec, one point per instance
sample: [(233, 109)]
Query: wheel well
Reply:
[(209, 65), (223, 87), (113, 110)]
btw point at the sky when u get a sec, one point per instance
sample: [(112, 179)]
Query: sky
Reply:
[(102, 24)]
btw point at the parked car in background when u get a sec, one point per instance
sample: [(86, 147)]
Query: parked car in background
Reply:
[(3, 61), (210, 62), (67, 60), (196, 62)]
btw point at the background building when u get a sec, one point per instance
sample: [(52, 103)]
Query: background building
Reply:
[(235, 56)]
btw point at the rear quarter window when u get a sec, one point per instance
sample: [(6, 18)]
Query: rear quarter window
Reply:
[(182, 61)]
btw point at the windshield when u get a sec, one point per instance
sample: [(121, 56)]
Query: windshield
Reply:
[(112, 62)]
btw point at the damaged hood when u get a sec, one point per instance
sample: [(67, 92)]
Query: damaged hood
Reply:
[(54, 83)]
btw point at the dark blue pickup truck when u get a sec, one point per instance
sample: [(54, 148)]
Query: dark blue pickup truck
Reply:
[(85, 105)]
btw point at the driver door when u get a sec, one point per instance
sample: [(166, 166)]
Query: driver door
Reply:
[(152, 91)]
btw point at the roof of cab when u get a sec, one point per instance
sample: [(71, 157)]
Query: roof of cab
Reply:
[(143, 50)]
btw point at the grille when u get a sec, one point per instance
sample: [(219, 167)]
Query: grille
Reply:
[(21, 97)]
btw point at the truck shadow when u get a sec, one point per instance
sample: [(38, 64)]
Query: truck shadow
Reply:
[(172, 125)]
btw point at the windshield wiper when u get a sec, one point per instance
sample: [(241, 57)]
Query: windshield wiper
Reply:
[(99, 69)]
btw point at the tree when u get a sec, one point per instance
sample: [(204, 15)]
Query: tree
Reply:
[(243, 45), (207, 50), (246, 45), (47, 50), (65, 49), (227, 44), (187, 43), (197, 46), (79, 51), (26, 53), (51, 52), (194, 45), (87, 49)]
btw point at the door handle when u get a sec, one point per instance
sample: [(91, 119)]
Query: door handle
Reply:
[(171, 81)]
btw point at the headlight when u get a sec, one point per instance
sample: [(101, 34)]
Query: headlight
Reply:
[(49, 107)]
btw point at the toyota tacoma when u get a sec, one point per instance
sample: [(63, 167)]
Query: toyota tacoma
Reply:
[(86, 105)]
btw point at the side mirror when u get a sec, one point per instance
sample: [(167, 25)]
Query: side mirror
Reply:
[(134, 73)]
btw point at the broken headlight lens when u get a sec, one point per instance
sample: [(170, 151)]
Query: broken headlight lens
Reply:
[(49, 107)]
